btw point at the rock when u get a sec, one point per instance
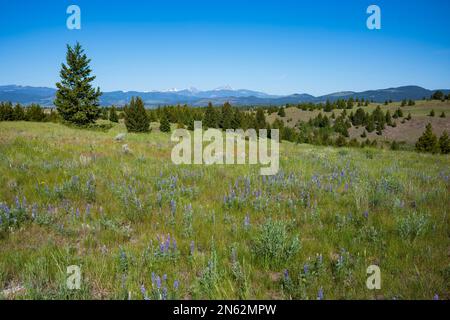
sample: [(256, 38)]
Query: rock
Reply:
[(126, 149), (12, 291), (120, 137)]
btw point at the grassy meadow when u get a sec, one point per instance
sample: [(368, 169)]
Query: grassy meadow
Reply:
[(140, 227)]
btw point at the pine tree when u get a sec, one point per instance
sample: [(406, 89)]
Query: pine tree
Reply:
[(432, 114), (260, 120), (444, 143), (164, 125), (35, 113), (442, 114), (379, 129), (6, 111), (113, 117), (104, 114), (19, 113), (76, 100), (210, 118), (388, 118), (237, 119), (136, 118), (282, 113), (438, 95), (428, 141), (370, 125), (395, 145), (227, 116)]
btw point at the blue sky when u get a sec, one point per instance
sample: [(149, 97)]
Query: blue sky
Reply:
[(279, 47)]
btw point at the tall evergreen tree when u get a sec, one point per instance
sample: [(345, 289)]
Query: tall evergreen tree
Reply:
[(76, 100), (136, 118)]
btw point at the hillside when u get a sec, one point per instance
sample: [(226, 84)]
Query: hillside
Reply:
[(194, 97), (137, 224)]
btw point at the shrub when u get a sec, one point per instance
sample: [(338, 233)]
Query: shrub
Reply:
[(273, 244), (412, 225)]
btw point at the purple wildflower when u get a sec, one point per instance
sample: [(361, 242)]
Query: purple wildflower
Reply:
[(247, 221), (305, 268), (436, 297), (34, 212), (286, 274), (192, 247), (176, 284), (320, 294), (158, 282), (174, 245), (173, 206), (143, 291)]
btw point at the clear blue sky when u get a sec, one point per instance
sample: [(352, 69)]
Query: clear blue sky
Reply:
[(277, 46)]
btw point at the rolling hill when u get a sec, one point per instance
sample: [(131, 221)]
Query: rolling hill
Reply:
[(194, 97)]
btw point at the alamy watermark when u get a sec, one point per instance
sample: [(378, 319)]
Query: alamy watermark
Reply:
[(374, 20), (73, 22), (73, 280), (234, 151), (374, 280)]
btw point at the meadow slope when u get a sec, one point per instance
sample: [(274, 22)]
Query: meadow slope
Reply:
[(140, 226)]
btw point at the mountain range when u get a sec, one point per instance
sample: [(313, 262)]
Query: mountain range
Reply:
[(194, 97)]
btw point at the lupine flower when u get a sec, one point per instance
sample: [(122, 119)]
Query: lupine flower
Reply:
[(17, 202), (366, 214), (173, 206), (164, 293), (176, 284), (34, 212), (192, 247), (158, 282), (286, 274), (305, 268), (164, 277), (247, 221), (174, 245), (320, 294), (233, 255), (143, 291), (436, 297)]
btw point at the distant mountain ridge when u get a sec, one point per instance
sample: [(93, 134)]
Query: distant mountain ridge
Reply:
[(194, 97)]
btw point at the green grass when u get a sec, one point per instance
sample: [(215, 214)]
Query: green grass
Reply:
[(124, 206)]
